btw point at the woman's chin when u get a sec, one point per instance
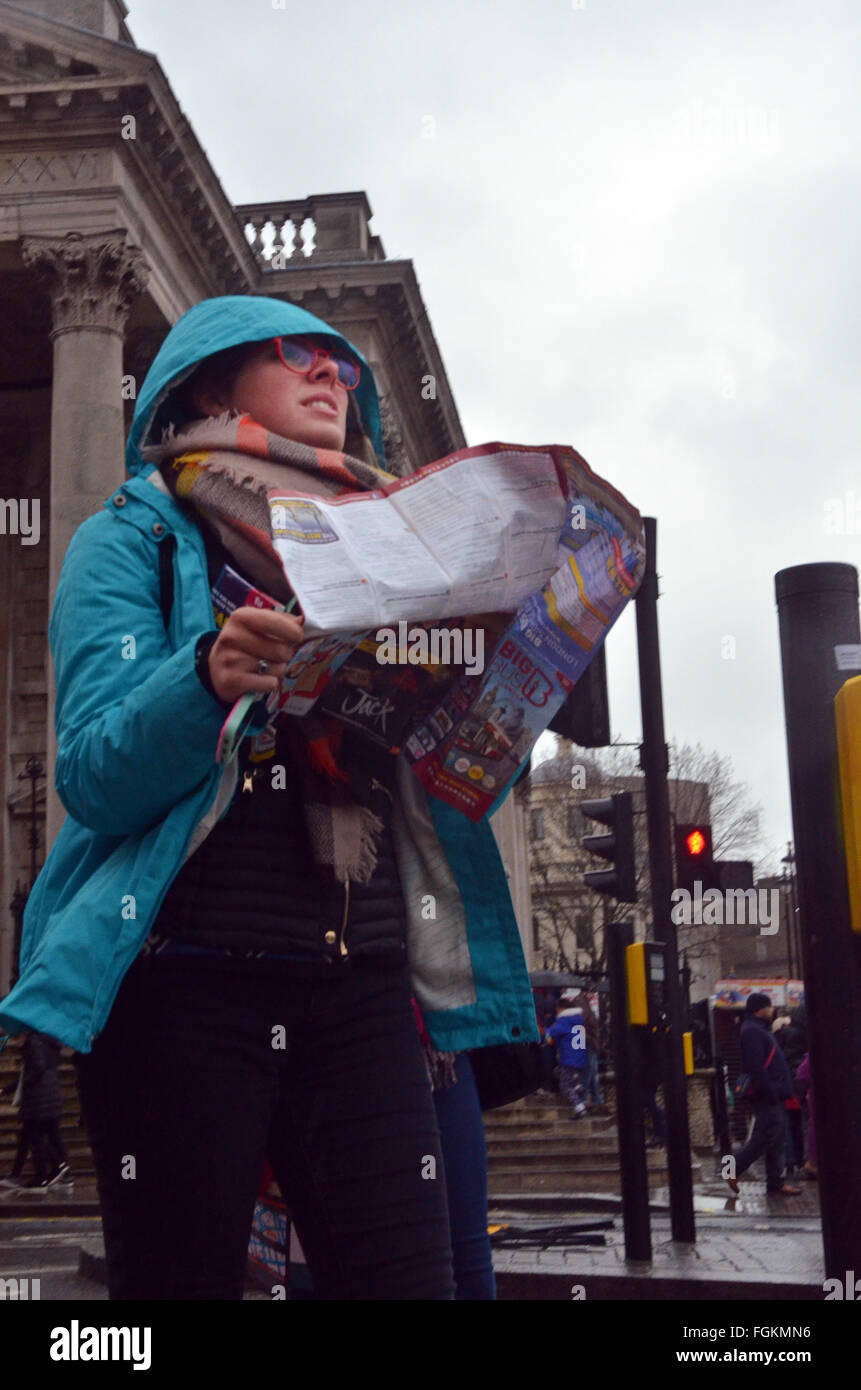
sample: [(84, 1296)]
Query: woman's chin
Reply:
[(319, 437)]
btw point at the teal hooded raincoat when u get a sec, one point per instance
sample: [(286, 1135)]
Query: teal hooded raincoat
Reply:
[(136, 770)]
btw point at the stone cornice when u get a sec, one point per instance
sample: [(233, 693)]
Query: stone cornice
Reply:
[(119, 81), (82, 45), (92, 280)]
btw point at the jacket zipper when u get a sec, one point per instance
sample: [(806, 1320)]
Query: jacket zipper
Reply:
[(343, 948), (344, 951)]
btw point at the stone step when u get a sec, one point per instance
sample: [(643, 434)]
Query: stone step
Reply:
[(501, 1119), (539, 1100), (80, 1161), (574, 1162), (10, 1121), (585, 1179), (83, 1200), (548, 1106), (536, 1134), (70, 1133), (552, 1144)]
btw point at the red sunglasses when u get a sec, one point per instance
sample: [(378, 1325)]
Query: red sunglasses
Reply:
[(297, 355)]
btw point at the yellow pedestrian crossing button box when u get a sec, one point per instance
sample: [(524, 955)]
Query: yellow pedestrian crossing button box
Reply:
[(688, 1051), (646, 966), (847, 717)]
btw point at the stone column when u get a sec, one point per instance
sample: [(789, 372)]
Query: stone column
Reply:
[(93, 281)]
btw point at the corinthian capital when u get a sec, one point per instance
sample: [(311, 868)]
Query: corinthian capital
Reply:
[(93, 280)]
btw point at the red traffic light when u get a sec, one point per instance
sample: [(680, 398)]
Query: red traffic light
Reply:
[(694, 856), (696, 842)]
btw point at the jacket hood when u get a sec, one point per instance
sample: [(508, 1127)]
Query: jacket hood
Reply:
[(225, 322)]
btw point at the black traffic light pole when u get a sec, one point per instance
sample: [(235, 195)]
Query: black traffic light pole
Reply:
[(818, 610), (655, 764)]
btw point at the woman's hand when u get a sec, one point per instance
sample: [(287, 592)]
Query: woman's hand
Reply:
[(248, 636)]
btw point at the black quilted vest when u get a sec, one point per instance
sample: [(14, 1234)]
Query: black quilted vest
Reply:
[(253, 883)]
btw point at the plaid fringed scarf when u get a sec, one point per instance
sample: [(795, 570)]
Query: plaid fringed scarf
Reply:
[(440, 1066), (222, 468)]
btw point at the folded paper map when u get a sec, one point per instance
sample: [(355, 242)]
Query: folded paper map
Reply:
[(449, 614)]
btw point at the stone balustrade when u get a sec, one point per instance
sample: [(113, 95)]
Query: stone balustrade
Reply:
[(325, 227)]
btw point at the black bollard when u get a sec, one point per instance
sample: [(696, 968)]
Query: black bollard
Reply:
[(818, 610)]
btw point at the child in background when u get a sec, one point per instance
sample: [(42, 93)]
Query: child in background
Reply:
[(568, 1033)]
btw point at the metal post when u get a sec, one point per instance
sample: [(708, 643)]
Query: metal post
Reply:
[(16, 907), (818, 610), (629, 1101), (33, 770), (655, 764), (794, 924), (786, 905), (721, 1114)]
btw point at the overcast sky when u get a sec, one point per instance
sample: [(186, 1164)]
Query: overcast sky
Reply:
[(636, 230)]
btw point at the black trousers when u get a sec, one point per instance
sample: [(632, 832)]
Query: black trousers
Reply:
[(42, 1138), (769, 1138), (204, 1069)]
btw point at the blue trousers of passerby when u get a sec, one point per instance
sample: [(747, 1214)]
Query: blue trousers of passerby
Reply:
[(591, 1084), (571, 1085), (464, 1153)]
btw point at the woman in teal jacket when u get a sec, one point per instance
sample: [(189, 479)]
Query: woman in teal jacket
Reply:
[(187, 946)]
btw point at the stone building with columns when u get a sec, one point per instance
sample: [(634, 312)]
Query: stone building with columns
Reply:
[(112, 224)]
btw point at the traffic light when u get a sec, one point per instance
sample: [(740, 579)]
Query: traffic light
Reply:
[(584, 717), (617, 813), (694, 857)]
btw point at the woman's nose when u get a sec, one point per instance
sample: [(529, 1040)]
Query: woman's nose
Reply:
[(324, 367)]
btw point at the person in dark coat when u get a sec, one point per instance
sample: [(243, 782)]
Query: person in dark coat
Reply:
[(42, 1108), (794, 1041), (771, 1082), (791, 1034)]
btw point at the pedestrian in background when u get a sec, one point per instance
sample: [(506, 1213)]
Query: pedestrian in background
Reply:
[(12, 1094), (770, 1083), (592, 1097), (804, 1080), (793, 1045), (41, 1112), (568, 1034)]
